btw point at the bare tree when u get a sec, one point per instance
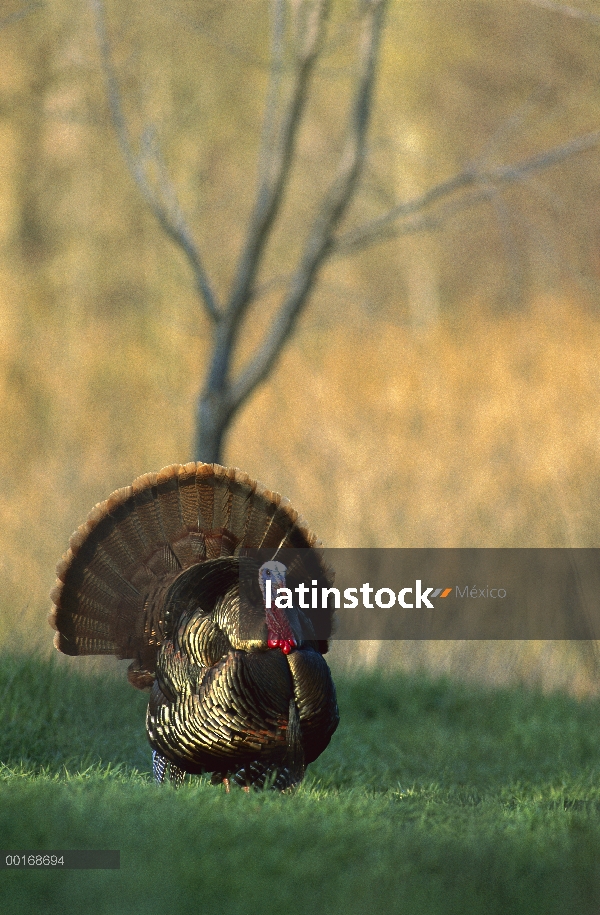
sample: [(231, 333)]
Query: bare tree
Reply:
[(11, 18), (297, 32)]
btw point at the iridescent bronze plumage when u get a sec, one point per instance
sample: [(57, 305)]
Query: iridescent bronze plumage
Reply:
[(154, 575)]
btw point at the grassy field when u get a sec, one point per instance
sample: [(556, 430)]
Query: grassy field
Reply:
[(434, 797)]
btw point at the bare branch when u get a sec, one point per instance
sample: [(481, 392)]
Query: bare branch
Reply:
[(274, 91), (277, 168), (318, 244), (420, 222), (169, 217), (383, 226), (20, 14), (547, 159)]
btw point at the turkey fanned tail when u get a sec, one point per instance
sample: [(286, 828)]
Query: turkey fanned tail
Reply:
[(154, 576)]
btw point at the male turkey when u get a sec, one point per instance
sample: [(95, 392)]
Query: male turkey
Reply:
[(161, 573)]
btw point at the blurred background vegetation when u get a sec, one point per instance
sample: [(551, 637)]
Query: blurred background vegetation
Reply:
[(441, 389)]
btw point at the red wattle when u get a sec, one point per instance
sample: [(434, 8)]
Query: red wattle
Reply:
[(286, 645)]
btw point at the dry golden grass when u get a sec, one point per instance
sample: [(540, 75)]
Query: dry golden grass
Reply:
[(477, 432), (480, 431)]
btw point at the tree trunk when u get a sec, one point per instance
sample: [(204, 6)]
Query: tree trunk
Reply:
[(212, 420)]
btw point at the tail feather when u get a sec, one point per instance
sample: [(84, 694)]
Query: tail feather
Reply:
[(264, 506), (121, 524), (221, 498), (188, 498), (205, 494), (111, 582), (145, 501), (278, 528), (169, 506), (242, 493)]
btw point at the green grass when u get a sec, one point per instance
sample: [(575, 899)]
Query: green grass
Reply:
[(434, 797)]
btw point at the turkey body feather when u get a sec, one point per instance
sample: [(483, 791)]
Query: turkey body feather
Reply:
[(154, 575)]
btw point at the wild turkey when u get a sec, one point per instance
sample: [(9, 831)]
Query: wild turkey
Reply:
[(236, 689)]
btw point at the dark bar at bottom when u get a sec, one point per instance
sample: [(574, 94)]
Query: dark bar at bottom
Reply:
[(60, 860)]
